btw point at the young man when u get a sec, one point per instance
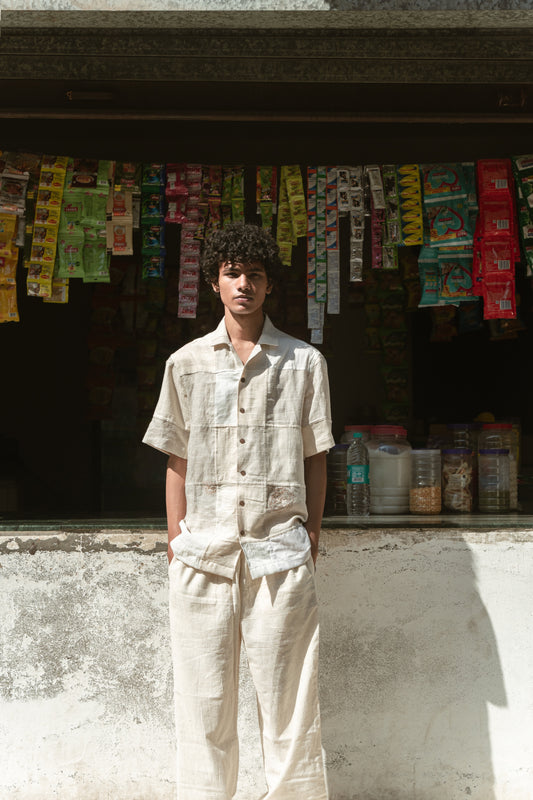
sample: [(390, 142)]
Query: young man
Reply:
[(244, 417)]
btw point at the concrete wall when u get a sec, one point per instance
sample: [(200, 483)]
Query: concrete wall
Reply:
[(426, 660)]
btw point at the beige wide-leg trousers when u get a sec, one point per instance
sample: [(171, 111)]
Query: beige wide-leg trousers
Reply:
[(276, 618)]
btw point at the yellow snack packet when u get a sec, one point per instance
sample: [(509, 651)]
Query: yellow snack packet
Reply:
[(8, 270), (8, 303)]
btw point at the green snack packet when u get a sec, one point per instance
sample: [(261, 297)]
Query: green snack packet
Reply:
[(237, 209), (96, 260), (70, 254)]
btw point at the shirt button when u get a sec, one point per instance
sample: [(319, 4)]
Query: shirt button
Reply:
[(241, 410), (243, 472), (241, 502), (241, 533), (243, 380), (242, 441)]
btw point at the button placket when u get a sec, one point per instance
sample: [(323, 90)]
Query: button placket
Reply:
[(242, 440)]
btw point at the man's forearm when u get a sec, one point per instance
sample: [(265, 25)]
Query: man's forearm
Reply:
[(315, 490), (175, 497)]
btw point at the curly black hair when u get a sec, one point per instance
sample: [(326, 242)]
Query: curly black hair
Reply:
[(241, 243)]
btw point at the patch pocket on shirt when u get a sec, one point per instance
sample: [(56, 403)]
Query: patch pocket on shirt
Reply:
[(226, 398)]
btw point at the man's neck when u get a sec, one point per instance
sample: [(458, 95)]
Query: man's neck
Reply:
[(244, 331)]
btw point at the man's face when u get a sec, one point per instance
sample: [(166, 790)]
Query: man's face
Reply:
[(242, 287)]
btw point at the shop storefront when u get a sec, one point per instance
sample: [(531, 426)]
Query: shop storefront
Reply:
[(82, 499)]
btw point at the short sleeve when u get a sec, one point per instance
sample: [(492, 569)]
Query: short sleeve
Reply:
[(316, 418), (169, 429)]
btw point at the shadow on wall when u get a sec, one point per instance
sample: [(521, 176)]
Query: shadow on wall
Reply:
[(407, 671)]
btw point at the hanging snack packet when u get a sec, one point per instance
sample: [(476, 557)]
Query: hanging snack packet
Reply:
[(8, 230), (497, 218), (153, 177), (410, 200), (128, 175), (8, 303), (153, 240), (443, 182), (449, 224), (469, 173), (343, 190), (499, 299), (176, 181), (455, 275), (70, 253), (497, 256), (152, 207), (494, 177), (96, 261), (59, 291), (119, 238), (392, 205), (284, 230), (428, 266), (373, 174), (8, 269), (265, 194), (153, 267)]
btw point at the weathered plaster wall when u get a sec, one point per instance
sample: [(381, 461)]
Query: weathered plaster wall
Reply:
[(426, 660)]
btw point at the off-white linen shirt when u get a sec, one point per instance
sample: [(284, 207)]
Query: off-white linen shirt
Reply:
[(245, 430)]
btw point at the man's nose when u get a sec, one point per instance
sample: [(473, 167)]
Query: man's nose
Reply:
[(244, 281)]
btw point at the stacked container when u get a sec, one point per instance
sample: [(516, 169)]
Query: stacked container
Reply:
[(336, 487), (500, 436), (494, 495), (425, 492), (389, 456), (457, 479)]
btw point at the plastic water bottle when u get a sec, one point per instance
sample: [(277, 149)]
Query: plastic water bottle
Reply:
[(357, 483)]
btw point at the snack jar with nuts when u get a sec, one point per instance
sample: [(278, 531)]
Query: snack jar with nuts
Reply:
[(425, 491), (457, 487)]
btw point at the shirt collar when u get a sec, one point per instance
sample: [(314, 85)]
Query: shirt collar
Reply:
[(269, 334)]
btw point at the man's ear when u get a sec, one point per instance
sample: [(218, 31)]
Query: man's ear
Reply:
[(269, 288), (215, 287)]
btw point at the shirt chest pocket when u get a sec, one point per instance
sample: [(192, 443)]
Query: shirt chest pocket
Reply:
[(226, 398)]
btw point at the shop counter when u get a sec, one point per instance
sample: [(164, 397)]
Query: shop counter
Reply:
[(426, 660)]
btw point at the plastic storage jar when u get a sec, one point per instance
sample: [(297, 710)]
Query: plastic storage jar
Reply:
[(425, 492), (389, 458), (336, 487), (457, 483), (494, 480), (464, 434), (500, 435)]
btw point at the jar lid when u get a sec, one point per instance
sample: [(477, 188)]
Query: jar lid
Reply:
[(506, 426), (494, 451), (457, 451), (425, 452), (388, 430)]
